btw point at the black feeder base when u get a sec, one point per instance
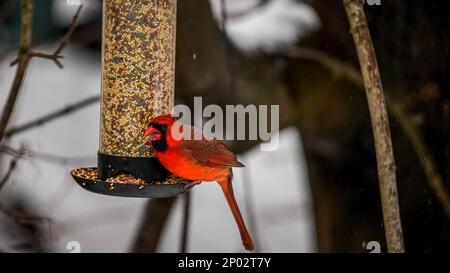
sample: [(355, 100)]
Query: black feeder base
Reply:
[(148, 169)]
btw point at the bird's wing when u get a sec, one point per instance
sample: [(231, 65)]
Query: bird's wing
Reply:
[(211, 153)]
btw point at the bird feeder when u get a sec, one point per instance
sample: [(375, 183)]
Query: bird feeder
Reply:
[(138, 78)]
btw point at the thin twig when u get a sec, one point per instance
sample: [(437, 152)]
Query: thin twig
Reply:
[(48, 56), (12, 166), (337, 67), (55, 56), (344, 70), (65, 40), (425, 157), (52, 116), (380, 124), (45, 157)]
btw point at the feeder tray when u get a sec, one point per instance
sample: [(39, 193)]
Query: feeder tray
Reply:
[(126, 185), (130, 177)]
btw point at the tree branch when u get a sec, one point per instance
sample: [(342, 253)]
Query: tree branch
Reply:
[(46, 157), (12, 166), (407, 125), (425, 157), (380, 124), (55, 56), (52, 116), (337, 67), (23, 60)]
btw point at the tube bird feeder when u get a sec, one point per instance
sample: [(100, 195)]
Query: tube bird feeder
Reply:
[(138, 78)]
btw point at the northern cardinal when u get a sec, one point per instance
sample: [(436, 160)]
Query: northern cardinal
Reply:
[(197, 160)]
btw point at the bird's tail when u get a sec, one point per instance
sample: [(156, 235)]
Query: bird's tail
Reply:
[(227, 189)]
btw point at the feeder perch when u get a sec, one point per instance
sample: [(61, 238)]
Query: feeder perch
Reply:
[(138, 72)]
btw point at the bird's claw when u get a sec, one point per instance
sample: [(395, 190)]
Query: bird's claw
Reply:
[(189, 184)]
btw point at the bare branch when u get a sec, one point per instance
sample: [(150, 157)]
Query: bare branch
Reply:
[(406, 122), (23, 60), (55, 56), (337, 67), (52, 116), (52, 57), (12, 167), (46, 157), (380, 124), (65, 40)]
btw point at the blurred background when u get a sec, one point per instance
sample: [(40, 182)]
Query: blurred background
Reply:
[(317, 193)]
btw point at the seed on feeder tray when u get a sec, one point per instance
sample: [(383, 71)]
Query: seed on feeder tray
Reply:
[(126, 179), (91, 174), (169, 181), (86, 173)]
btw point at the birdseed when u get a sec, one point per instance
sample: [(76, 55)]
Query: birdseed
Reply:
[(91, 174)]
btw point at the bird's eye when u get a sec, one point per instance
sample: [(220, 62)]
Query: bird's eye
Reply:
[(164, 127)]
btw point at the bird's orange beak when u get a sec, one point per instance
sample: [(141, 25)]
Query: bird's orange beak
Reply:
[(151, 134)]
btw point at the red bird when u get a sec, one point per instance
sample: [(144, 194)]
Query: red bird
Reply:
[(197, 160)]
